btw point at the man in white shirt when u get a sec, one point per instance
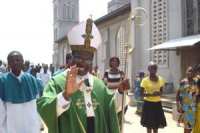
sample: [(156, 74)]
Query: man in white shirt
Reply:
[(44, 76), (2, 68), (18, 93)]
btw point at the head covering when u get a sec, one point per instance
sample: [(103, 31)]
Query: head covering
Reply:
[(140, 72), (84, 37)]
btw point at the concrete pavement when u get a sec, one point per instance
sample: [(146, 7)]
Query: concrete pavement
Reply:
[(132, 124)]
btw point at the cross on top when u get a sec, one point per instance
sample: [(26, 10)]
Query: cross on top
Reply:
[(88, 33), (87, 36)]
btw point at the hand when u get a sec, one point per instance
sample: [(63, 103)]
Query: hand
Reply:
[(124, 86), (156, 93), (71, 85), (179, 110)]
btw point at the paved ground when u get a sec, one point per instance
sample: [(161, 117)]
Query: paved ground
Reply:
[(132, 124)]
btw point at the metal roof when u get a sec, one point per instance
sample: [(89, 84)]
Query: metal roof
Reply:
[(179, 42)]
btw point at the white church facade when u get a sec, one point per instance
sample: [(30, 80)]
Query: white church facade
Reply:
[(168, 20)]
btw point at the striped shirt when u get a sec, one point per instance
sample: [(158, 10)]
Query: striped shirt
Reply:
[(112, 80)]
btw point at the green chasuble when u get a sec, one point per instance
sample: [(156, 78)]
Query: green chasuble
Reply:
[(74, 120)]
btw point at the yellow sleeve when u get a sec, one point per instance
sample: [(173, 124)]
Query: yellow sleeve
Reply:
[(143, 84), (162, 83)]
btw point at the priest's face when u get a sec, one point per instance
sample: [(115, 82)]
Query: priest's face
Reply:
[(83, 60)]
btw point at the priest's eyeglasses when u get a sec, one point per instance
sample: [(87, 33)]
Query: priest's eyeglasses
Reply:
[(75, 59)]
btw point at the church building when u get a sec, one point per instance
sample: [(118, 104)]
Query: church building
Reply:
[(170, 37), (66, 16)]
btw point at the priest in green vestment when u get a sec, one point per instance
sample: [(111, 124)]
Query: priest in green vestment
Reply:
[(75, 101)]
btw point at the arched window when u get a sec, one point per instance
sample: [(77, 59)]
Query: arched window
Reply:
[(73, 12), (55, 34), (68, 10), (121, 40), (55, 12), (64, 11)]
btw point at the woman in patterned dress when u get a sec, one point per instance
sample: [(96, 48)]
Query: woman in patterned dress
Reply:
[(189, 90)]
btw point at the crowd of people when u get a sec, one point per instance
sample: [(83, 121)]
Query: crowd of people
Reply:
[(77, 99)]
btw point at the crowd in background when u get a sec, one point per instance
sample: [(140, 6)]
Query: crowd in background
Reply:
[(147, 90)]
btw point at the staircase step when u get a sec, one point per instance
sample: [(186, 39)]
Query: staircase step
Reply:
[(168, 101), (169, 96), (165, 109)]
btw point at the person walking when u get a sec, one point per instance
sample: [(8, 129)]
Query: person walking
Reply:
[(44, 75), (67, 64), (76, 101), (18, 94), (139, 100), (152, 113), (189, 90), (113, 76), (2, 68)]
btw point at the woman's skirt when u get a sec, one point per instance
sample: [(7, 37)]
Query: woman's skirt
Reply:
[(153, 115)]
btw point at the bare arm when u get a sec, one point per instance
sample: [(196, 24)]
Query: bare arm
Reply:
[(142, 94), (178, 100)]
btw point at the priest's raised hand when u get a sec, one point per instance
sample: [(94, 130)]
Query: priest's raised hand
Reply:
[(71, 85)]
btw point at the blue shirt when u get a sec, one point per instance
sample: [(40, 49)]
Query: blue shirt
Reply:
[(15, 91)]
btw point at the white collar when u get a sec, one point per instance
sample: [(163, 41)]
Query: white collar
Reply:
[(18, 77)]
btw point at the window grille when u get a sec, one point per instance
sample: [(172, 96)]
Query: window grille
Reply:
[(121, 40), (159, 31)]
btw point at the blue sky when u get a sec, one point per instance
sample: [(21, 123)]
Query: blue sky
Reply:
[(27, 26)]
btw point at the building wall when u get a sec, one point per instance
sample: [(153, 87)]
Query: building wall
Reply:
[(108, 32), (62, 24), (55, 56), (143, 41), (115, 4)]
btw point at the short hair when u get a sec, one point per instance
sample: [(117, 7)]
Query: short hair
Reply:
[(151, 63), (11, 54), (197, 66), (112, 58), (34, 70), (192, 67), (27, 62), (68, 56)]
